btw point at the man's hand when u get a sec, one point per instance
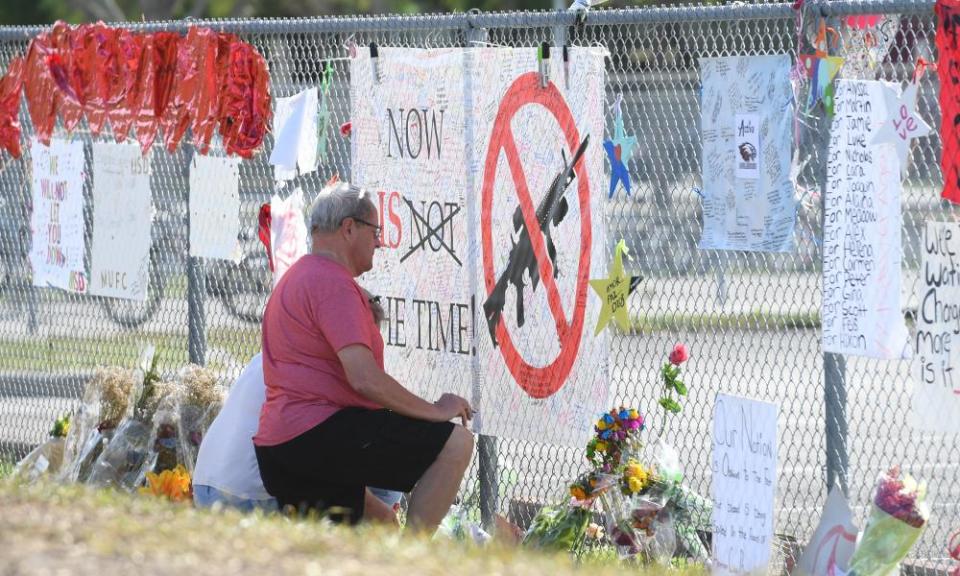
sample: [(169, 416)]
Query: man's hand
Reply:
[(453, 406)]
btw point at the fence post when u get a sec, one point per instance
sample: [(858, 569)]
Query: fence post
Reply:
[(489, 491), (196, 290), (834, 365), (835, 399)]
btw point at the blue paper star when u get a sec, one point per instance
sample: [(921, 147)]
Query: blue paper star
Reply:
[(619, 150)]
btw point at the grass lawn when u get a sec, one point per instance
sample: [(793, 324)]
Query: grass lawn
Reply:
[(52, 529), (84, 353), (646, 324)]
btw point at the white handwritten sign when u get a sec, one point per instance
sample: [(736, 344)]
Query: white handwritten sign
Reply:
[(744, 482), (747, 132), (936, 392), (215, 207), (120, 262), (56, 253), (861, 243)]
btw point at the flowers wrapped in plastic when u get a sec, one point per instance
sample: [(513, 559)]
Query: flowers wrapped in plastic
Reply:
[(46, 458), (126, 459), (107, 400), (559, 527), (898, 515), (201, 398)]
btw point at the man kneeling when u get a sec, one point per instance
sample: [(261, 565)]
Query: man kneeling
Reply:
[(334, 422)]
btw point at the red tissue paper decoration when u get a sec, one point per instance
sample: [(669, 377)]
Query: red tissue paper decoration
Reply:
[(948, 69), (206, 81)]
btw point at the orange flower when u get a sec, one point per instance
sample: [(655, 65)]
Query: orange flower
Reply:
[(173, 484)]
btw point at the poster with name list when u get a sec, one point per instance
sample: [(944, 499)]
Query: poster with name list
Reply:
[(861, 232)]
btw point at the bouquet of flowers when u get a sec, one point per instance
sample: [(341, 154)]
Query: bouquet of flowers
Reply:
[(564, 526), (897, 517), (560, 527), (107, 399), (201, 397), (47, 457), (124, 462), (615, 432)]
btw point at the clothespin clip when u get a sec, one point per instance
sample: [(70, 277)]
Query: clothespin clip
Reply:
[(543, 64), (566, 66), (375, 62)]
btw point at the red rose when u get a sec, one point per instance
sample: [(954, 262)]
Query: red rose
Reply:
[(345, 129), (678, 355)]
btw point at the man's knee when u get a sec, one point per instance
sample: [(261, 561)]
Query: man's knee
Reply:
[(459, 445)]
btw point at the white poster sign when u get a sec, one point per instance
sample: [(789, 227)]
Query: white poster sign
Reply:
[(744, 483), (215, 207), (120, 262), (861, 237), (747, 136), (408, 151), (57, 250), (936, 392), (476, 286), (538, 177)]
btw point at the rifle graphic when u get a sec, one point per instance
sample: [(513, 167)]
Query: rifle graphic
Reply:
[(550, 212)]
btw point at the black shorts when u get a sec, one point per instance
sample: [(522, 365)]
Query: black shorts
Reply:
[(330, 465)]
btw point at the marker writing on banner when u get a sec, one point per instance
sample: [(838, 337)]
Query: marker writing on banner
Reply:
[(939, 313), (442, 327), (851, 220)]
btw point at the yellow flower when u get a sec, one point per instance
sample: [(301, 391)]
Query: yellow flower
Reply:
[(601, 424), (173, 484), (601, 447), (635, 484), (634, 414)]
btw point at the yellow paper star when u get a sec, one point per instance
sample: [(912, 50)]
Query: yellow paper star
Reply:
[(613, 291)]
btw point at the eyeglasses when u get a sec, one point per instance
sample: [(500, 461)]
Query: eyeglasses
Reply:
[(376, 229)]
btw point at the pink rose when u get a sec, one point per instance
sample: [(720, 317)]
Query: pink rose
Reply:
[(678, 355), (345, 129)]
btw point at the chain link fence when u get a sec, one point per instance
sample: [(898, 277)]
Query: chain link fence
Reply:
[(751, 320)]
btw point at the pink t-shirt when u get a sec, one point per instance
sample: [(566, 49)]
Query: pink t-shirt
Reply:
[(316, 310)]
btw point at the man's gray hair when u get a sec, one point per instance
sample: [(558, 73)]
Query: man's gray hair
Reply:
[(337, 202)]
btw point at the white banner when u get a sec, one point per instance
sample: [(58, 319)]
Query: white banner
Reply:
[(408, 151), (747, 132), (120, 262), (215, 207), (861, 236), (936, 392), (542, 371), (744, 483), (57, 249), (452, 143)]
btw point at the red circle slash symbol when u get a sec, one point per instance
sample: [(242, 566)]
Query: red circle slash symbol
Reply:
[(537, 381)]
